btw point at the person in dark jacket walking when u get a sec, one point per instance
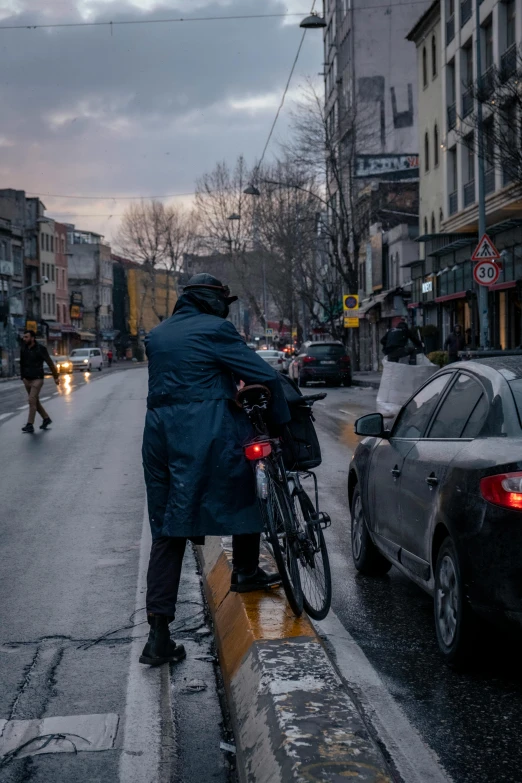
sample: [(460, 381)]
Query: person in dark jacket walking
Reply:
[(455, 342), (395, 343), (32, 358), (198, 479)]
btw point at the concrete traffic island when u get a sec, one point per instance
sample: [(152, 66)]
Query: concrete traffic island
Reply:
[(292, 718)]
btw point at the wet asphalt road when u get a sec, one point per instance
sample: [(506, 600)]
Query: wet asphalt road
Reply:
[(72, 520), (470, 720)]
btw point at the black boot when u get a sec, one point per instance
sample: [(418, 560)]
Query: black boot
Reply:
[(28, 428), (160, 648), (45, 423), (258, 580)]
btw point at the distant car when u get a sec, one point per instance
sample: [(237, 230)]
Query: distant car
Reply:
[(328, 362), (440, 497), (273, 358), (63, 364), (87, 359)]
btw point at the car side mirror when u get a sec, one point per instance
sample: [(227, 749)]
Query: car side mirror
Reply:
[(371, 426)]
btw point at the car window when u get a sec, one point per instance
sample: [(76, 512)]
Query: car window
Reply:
[(96, 352), (81, 352), (516, 391), (413, 419), (476, 420), (453, 415), (326, 351)]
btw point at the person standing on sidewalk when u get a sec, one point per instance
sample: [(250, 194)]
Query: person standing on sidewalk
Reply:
[(455, 342), (109, 357), (396, 341), (32, 358), (199, 482)]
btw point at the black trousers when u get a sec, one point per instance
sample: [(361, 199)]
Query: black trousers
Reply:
[(400, 353), (166, 559)]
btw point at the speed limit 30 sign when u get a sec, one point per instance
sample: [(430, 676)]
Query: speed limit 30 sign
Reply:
[(486, 272)]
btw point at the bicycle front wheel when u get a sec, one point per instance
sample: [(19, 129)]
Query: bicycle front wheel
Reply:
[(279, 526), (313, 561)]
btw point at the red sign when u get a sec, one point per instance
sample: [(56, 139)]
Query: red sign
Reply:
[(485, 250), (486, 272)]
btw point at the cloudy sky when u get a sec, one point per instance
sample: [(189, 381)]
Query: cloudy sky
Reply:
[(140, 109)]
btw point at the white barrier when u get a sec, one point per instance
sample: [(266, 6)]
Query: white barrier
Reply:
[(399, 381)]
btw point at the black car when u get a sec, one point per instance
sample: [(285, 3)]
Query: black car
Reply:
[(326, 361), (440, 497)]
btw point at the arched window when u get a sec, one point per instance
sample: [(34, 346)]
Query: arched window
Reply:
[(424, 67), (425, 225), (433, 57), (426, 152), (433, 224), (436, 145)]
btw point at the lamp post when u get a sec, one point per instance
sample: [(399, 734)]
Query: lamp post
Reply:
[(483, 291), (252, 190)]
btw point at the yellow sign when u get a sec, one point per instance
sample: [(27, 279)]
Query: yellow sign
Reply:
[(31, 325), (350, 302), (76, 311), (351, 323), (294, 334)]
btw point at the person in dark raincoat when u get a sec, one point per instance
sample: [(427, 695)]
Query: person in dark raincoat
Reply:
[(198, 479)]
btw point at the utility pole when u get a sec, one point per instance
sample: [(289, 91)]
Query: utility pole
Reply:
[(483, 291)]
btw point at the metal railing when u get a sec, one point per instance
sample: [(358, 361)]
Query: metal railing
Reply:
[(450, 29), (453, 203), (469, 193), (508, 63), (467, 102), (465, 12), (452, 116), (489, 181), (487, 83)]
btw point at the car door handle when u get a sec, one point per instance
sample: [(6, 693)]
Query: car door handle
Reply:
[(396, 472), (432, 481)]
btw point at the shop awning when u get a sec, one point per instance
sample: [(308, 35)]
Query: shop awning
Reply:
[(368, 304), (87, 336)]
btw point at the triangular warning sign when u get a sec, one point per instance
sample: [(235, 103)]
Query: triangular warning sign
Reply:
[(485, 250)]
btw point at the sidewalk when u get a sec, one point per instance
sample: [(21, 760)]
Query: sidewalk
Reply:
[(368, 380)]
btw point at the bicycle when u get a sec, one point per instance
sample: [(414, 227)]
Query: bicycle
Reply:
[(293, 524)]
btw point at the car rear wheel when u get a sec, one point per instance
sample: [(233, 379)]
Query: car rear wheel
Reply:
[(366, 557), (454, 622)]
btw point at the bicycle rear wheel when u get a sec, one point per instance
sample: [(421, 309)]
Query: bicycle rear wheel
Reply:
[(313, 561), (279, 526)]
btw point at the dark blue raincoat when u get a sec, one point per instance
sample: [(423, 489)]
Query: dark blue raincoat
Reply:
[(198, 480)]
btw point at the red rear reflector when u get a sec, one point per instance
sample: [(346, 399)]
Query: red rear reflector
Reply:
[(345, 360), (503, 490), (308, 359), (258, 450)]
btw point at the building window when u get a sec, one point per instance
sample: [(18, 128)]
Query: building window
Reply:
[(52, 271), (488, 43), (433, 224), (424, 67), (425, 225), (434, 68), (17, 260), (43, 241), (510, 22), (426, 152), (52, 243), (53, 309), (441, 218), (436, 145)]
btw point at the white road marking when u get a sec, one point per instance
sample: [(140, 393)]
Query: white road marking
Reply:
[(5, 415), (323, 404), (79, 732), (415, 761), (22, 407), (44, 399), (147, 706), (348, 413)]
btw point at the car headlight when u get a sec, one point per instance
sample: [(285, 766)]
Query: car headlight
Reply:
[(86, 361)]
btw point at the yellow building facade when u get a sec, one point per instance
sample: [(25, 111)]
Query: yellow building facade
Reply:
[(152, 297)]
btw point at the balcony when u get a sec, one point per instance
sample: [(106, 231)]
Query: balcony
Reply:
[(487, 83), (489, 181), (467, 102), (507, 173), (453, 203), (508, 63), (469, 193), (450, 29), (452, 116)]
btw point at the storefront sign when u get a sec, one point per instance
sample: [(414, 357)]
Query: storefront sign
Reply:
[(427, 287), (76, 312), (76, 298), (386, 166), (351, 323)]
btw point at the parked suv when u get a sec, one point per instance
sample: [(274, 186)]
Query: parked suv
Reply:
[(328, 362), (87, 359)]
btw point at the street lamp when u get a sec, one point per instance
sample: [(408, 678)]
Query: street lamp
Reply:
[(313, 22), (234, 216), (252, 191)]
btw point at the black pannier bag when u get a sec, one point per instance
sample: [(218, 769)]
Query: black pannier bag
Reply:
[(301, 449)]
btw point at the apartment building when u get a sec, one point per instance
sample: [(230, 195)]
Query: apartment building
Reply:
[(443, 280), (47, 254), (63, 326)]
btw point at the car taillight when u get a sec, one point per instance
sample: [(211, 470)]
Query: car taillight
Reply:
[(503, 490), (345, 360), (308, 359), (280, 361), (258, 450)]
